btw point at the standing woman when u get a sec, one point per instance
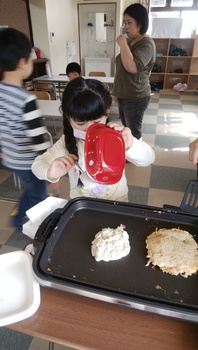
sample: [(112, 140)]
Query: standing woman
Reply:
[(133, 68)]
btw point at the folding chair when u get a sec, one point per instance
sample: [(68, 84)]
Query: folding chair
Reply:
[(41, 95), (97, 74), (49, 87)]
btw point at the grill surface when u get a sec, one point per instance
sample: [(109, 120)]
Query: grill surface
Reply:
[(63, 257)]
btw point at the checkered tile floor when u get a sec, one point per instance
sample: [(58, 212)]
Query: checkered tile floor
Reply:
[(170, 124)]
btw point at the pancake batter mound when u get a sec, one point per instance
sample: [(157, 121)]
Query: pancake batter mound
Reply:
[(110, 244)]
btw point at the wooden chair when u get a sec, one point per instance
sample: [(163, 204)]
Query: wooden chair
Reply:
[(29, 85), (97, 74), (41, 95), (49, 87)]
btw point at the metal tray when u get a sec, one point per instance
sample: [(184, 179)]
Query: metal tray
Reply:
[(63, 257)]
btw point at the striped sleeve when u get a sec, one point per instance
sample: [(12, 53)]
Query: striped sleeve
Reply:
[(34, 126)]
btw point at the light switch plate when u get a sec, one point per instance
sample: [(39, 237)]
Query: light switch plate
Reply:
[(52, 36)]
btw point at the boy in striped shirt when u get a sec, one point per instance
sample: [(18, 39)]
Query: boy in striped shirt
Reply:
[(22, 135)]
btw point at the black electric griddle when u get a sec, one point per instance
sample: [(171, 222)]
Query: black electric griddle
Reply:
[(63, 257)]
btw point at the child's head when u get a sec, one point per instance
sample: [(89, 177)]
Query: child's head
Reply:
[(15, 50), (103, 90), (73, 70), (84, 102)]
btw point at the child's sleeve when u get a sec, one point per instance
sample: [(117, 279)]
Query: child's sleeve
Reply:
[(42, 162), (34, 126), (140, 153)]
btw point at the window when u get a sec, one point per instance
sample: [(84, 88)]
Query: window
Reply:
[(158, 3), (181, 3), (187, 10), (173, 3)]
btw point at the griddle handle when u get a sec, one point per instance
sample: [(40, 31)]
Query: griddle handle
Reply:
[(45, 229)]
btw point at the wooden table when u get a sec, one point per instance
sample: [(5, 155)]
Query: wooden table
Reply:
[(84, 323)]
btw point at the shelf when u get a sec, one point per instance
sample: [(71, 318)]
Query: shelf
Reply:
[(176, 69), (193, 82), (175, 62), (39, 68), (172, 79), (195, 50), (157, 77), (161, 61), (184, 44), (194, 66), (162, 46)]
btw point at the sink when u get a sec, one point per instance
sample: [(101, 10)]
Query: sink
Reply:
[(98, 64)]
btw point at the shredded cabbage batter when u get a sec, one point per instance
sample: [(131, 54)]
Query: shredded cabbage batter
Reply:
[(110, 244)]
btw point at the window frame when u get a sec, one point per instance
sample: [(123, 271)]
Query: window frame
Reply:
[(168, 7)]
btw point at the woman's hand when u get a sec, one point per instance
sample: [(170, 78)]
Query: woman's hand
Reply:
[(121, 39), (193, 152), (61, 166), (124, 131), (126, 54)]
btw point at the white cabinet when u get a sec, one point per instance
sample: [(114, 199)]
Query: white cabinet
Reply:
[(98, 64)]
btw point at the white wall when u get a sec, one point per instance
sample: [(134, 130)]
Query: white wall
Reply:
[(90, 47), (39, 26), (59, 17)]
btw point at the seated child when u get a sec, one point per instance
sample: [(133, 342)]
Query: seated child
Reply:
[(83, 106), (73, 70)]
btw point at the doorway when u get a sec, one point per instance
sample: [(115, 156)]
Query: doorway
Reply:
[(92, 17)]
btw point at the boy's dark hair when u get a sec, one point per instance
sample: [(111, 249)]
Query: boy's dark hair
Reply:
[(14, 45), (140, 14), (82, 101), (73, 67)]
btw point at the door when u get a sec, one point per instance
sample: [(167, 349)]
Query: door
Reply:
[(91, 45)]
